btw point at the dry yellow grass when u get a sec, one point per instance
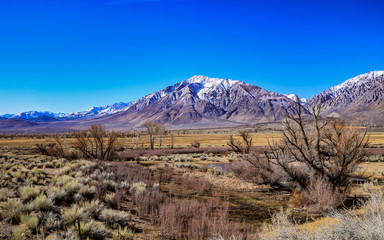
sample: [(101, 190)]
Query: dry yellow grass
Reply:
[(182, 140)]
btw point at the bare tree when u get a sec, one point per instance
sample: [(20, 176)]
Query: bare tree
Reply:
[(55, 148), (172, 140), (151, 130), (312, 151), (96, 143), (136, 139), (160, 131), (243, 146)]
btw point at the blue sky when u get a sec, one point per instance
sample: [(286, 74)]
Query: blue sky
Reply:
[(68, 55)]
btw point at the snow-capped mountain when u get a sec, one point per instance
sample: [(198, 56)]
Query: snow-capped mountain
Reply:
[(93, 112), (293, 97), (33, 115), (361, 96), (99, 111), (206, 101)]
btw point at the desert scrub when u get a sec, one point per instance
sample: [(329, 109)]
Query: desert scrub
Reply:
[(42, 203), (83, 180), (62, 180), (17, 176), (49, 165), (72, 187), (56, 194), (29, 193), (204, 157), (70, 215), (4, 194), (51, 221), (20, 233), (93, 208), (87, 191), (31, 221), (92, 230), (111, 185), (109, 197), (65, 170), (124, 185), (124, 234), (112, 217), (12, 210), (138, 187)]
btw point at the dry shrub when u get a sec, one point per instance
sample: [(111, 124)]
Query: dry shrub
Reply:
[(130, 173), (56, 149), (191, 219), (196, 184), (318, 157), (149, 202), (369, 224), (101, 189), (134, 154), (318, 197), (195, 144)]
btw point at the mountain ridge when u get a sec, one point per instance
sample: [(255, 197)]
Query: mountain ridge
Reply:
[(202, 101)]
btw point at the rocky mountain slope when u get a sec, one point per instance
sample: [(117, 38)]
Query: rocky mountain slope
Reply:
[(206, 100), (361, 97)]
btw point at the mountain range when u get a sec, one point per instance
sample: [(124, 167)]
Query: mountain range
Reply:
[(203, 102)]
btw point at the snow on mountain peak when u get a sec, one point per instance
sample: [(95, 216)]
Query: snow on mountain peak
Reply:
[(208, 81), (209, 85), (355, 82), (293, 97)]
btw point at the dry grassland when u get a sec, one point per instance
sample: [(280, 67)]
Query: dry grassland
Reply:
[(180, 141)]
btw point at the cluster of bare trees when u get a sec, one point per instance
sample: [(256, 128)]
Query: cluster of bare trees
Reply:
[(241, 146), (93, 143), (155, 129), (316, 157), (96, 143)]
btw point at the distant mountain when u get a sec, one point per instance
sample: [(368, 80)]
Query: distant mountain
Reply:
[(32, 115), (293, 97), (15, 123), (206, 102), (361, 97), (93, 112)]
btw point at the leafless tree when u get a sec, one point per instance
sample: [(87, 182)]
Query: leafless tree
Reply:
[(243, 146), (312, 150), (160, 131), (151, 130), (55, 148), (136, 138), (96, 143), (172, 140)]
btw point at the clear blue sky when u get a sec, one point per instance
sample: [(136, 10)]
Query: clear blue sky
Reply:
[(68, 55)]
